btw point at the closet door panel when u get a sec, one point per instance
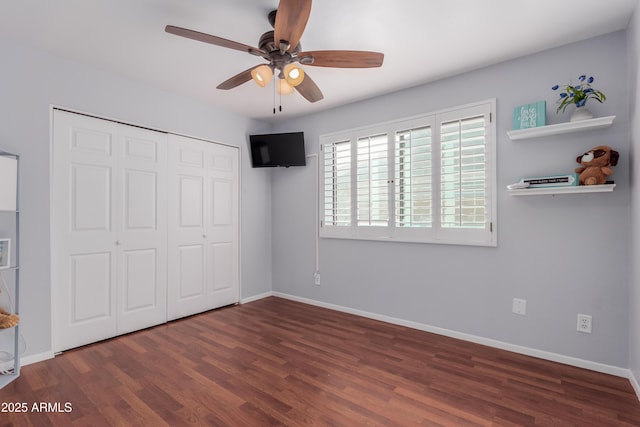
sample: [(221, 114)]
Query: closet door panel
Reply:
[(82, 214), (222, 202), (191, 279), (190, 202), (141, 237), (140, 279), (141, 194), (91, 287), (85, 137), (186, 236), (90, 197), (222, 257), (222, 225)]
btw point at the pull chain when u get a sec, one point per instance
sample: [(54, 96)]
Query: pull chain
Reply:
[(275, 84)]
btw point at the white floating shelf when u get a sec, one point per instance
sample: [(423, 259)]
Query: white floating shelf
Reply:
[(576, 189), (560, 128)]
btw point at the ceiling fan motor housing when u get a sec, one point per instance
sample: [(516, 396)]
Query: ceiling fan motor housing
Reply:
[(277, 59), (267, 43)]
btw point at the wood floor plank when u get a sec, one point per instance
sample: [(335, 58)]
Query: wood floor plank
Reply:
[(283, 363)]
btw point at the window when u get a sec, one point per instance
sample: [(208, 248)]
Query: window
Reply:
[(425, 179)]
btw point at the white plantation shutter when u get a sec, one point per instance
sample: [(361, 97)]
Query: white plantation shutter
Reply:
[(462, 176), (465, 163), (372, 174), (337, 184), (413, 181), (426, 179)]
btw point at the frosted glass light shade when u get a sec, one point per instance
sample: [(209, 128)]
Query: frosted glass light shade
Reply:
[(284, 88), (293, 74), (262, 75)]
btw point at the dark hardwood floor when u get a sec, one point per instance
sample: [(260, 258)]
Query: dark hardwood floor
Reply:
[(278, 362)]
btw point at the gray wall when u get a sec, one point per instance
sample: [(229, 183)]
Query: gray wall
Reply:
[(30, 81), (633, 36), (565, 255)]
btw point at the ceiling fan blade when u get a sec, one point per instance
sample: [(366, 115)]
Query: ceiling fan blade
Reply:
[(218, 41), (342, 58), (291, 19), (236, 80), (309, 89)]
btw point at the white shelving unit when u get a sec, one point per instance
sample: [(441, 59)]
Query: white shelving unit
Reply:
[(561, 128), (577, 189), (14, 371)]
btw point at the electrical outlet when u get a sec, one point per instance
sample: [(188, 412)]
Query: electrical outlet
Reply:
[(316, 278), (584, 323), (520, 306)]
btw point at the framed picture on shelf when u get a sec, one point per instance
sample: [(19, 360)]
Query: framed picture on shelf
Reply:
[(5, 253), (530, 115)]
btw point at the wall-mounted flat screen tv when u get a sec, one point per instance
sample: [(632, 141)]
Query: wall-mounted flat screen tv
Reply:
[(277, 149)]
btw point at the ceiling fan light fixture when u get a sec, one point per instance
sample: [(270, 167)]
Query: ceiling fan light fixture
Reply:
[(284, 88), (262, 75), (293, 74)]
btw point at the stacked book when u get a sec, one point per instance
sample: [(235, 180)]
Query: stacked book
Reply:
[(546, 181)]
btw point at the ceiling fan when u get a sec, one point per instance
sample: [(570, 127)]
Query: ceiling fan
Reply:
[(282, 51)]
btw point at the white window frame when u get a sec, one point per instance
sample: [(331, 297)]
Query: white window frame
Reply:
[(486, 236)]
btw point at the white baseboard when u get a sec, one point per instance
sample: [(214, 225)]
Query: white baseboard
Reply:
[(554, 357), (27, 360), (635, 383), (256, 297), (34, 358)]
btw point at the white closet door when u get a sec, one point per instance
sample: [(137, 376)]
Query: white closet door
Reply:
[(83, 247), (222, 224), (203, 226), (108, 223), (187, 237), (142, 229)]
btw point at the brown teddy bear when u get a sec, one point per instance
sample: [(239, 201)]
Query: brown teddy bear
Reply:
[(8, 320), (596, 164)]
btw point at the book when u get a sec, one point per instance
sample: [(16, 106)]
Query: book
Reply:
[(550, 181)]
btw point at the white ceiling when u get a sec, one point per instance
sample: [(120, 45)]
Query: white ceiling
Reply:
[(423, 40)]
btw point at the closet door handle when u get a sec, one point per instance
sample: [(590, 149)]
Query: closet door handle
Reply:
[(117, 242)]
